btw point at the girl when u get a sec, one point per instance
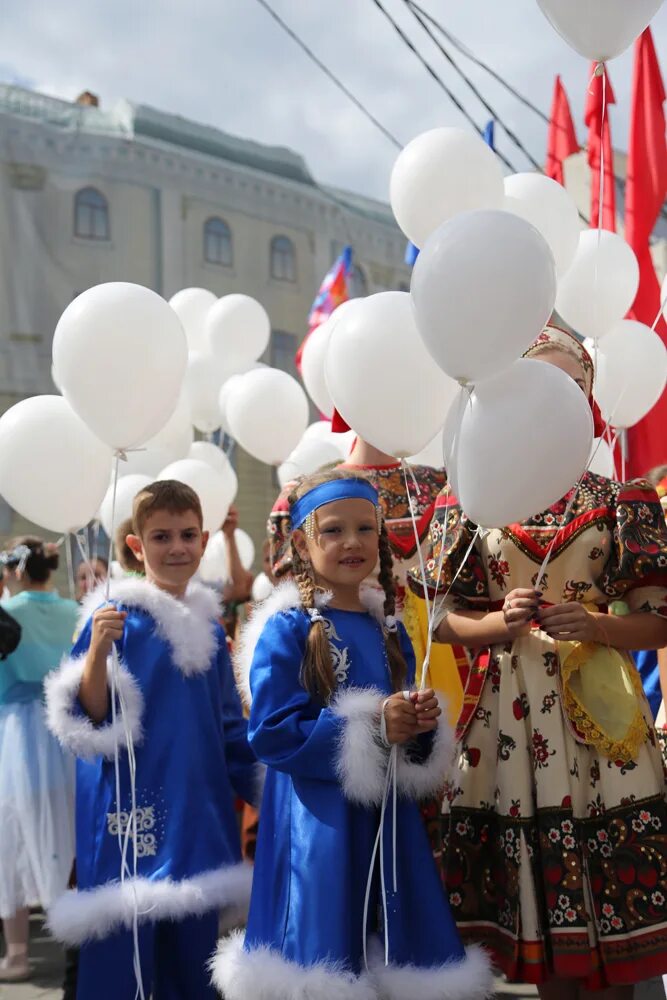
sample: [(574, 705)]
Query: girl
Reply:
[(555, 826), (36, 778), (327, 667)]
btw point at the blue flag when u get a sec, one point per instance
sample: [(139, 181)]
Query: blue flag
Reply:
[(489, 133)]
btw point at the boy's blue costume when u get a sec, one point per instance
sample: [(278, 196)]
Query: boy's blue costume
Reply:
[(320, 813), (192, 761)]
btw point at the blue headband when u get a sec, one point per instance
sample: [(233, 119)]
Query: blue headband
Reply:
[(335, 489)]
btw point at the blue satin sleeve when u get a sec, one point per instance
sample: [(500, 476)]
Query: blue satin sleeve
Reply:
[(240, 758), (288, 730)]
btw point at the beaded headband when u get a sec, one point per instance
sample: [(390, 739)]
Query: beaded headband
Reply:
[(303, 510)]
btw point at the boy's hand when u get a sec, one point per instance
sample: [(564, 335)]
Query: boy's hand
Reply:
[(400, 718), (231, 522), (108, 625), (427, 708)]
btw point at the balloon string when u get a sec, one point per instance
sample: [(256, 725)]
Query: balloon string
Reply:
[(477, 534)]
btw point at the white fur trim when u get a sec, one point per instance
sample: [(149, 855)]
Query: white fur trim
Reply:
[(188, 625), (470, 979), (263, 974), (91, 914), (286, 597), (76, 731), (420, 780), (362, 760)]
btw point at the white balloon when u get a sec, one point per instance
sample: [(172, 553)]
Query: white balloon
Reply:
[(483, 288), (212, 488), (237, 330), (120, 354), (203, 381), (312, 368), (321, 431), (261, 588), (375, 361), (205, 451), (223, 397), (600, 285), (599, 29), (168, 445), (308, 456), (191, 305), (432, 455), (53, 470), (523, 440), (438, 175), (214, 566), (111, 515), (547, 206), (602, 459), (631, 373), (267, 412)]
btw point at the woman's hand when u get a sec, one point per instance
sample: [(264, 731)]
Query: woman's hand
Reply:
[(520, 608), (400, 718), (427, 708), (108, 625), (571, 622)]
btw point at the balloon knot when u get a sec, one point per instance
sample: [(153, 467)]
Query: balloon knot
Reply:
[(463, 382), (599, 69)]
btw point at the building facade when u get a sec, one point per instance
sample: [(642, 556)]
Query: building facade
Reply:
[(89, 195)]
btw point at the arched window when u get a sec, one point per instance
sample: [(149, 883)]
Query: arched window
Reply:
[(218, 242), (283, 259), (356, 283), (91, 215)]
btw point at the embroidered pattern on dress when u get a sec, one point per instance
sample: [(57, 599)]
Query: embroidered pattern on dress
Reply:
[(146, 841), (340, 657)]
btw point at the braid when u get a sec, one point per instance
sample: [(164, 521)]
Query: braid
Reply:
[(317, 672), (397, 666)]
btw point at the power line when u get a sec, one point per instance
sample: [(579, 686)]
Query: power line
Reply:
[(334, 79), (465, 51), (456, 67), (443, 86)]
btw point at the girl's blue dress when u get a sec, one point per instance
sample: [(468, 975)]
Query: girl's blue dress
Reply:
[(319, 820)]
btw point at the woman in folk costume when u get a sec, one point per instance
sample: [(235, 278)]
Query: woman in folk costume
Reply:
[(554, 846), (327, 664), (398, 502)]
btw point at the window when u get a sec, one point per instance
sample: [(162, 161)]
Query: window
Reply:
[(283, 352), (356, 283), (218, 242), (91, 215), (283, 259)]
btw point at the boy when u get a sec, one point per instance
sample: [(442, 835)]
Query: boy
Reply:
[(183, 718)]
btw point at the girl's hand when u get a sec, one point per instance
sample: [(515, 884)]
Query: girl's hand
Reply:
[(427, 708), (520, 608), (108, 625), (400, 718), (571, 622)]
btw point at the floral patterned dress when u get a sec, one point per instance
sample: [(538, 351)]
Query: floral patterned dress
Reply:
[(554, 854)]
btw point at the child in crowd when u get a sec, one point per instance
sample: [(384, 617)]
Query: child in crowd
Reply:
[(183, 735), (36, 778), (328, 664), (90, 575)]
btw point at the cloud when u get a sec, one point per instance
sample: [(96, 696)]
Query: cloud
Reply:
[(231, 66)]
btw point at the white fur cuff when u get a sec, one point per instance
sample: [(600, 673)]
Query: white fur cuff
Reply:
[(74, 730), (362, 760), (470, 979), (264, 974), (91, 914), (420, 779)]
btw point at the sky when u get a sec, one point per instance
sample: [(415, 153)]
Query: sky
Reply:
[(227, 63)]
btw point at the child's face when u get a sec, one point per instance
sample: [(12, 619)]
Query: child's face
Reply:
[(171, 547), (344, 549)]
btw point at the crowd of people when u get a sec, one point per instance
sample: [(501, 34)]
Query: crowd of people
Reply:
[(213, 797)]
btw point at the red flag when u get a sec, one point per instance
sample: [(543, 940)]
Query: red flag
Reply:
[(596, 116), (562, 138), (645, 192)]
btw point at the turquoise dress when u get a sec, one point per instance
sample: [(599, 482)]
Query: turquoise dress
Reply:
[(36, 776)]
